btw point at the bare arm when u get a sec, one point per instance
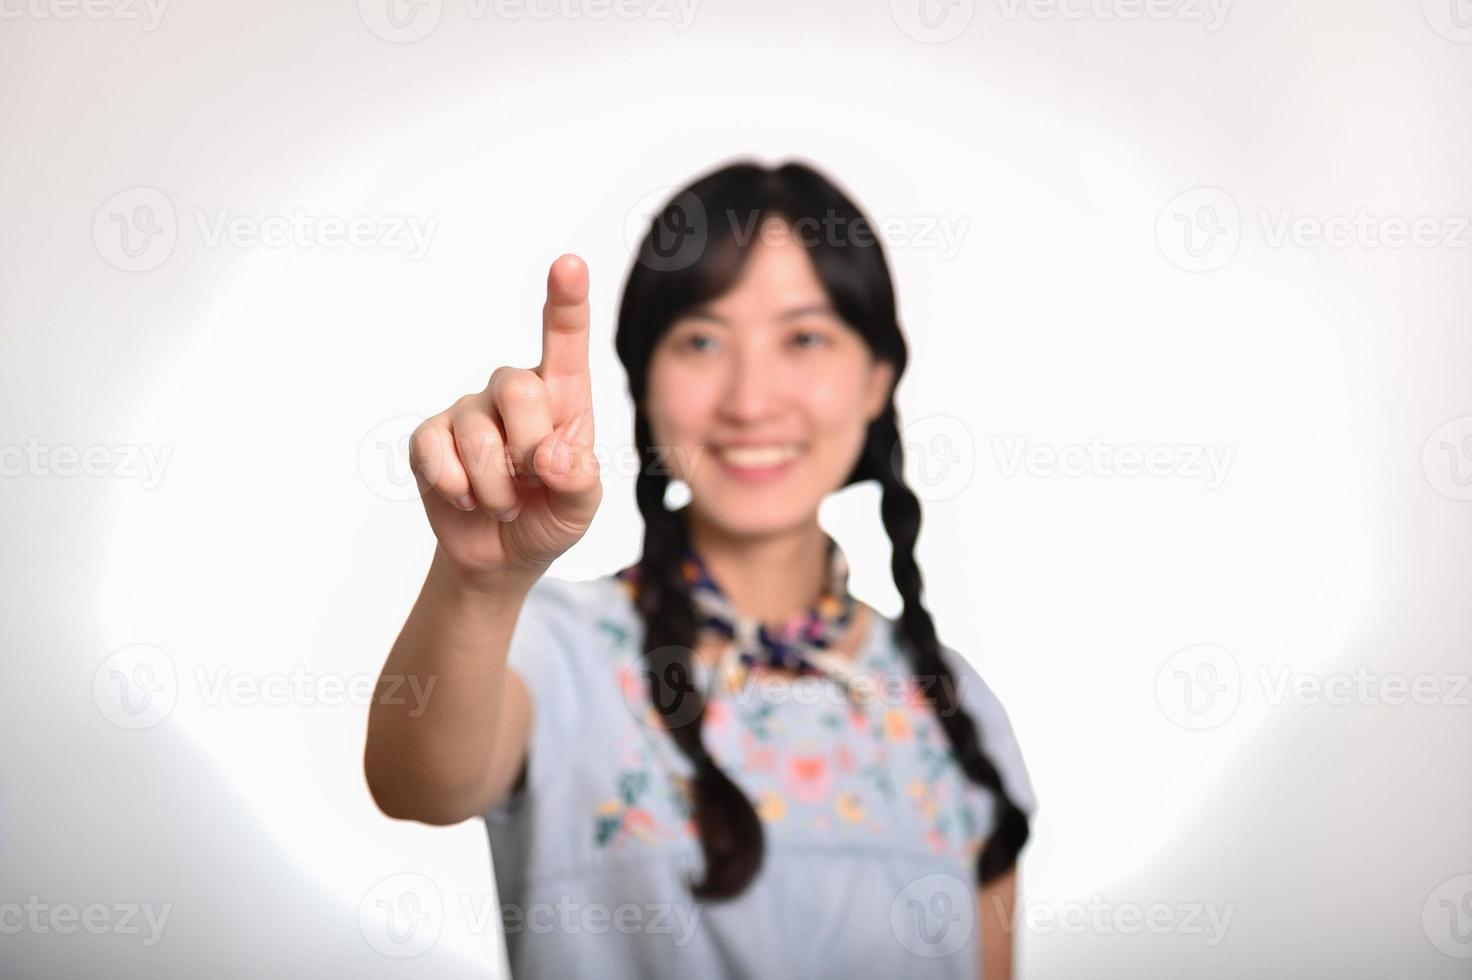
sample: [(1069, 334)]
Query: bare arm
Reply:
[(996, 912), (455, 750)]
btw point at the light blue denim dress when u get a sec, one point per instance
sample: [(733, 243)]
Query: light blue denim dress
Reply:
[(871, 828)]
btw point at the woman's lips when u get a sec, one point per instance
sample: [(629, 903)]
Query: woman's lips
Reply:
[(751, 464)]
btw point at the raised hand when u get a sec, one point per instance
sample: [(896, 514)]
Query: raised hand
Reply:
[(508, 474)]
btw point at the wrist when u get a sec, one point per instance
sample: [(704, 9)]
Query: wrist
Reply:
[(511, 584)]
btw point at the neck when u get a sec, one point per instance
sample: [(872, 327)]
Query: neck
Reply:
[(770, 578)]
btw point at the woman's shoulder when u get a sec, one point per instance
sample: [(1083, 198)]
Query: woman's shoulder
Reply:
[(886, 647), (567, 620), (971, 690)]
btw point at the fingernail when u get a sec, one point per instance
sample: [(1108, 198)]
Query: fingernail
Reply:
[(561, 459), (507, 516), (466, 502)]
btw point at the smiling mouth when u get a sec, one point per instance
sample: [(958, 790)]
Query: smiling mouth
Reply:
[(757, 457), (757, 464)]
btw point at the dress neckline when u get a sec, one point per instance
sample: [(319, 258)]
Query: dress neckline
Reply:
[(868, 647)]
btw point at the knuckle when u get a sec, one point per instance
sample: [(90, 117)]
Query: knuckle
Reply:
[(590, 468), (424, 449), (522, 389), (477, 443)]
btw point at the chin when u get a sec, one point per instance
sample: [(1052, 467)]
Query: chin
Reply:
[(740, 512)]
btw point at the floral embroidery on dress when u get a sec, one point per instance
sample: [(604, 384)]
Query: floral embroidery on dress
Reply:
[(771, 807), (834, 765), (807, 778), (621, 817)]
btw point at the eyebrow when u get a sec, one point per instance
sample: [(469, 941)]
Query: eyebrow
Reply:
[(701, 313)]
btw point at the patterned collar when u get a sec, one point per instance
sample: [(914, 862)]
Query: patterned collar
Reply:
[(804, 643)]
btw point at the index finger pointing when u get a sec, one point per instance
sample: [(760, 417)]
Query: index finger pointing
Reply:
[(565, 319)]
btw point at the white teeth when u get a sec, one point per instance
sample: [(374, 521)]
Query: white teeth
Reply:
[(757, 457)]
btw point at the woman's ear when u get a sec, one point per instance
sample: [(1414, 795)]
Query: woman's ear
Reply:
[(881, 380)]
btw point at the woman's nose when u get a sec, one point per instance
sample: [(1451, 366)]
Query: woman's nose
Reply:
[(749, 388)]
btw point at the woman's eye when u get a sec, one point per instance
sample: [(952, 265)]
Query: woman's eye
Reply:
[(815, 338), (698, 342)]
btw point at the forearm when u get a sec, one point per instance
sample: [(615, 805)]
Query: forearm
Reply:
[(996, 904), (436, 714)]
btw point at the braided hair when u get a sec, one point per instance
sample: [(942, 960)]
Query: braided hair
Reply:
[(691, 254)]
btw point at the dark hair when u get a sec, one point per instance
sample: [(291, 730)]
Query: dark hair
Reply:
[(693, 251)]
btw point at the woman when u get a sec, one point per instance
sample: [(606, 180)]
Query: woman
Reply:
[(716, 761)]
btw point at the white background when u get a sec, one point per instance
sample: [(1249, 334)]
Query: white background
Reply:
[(1076, 146)]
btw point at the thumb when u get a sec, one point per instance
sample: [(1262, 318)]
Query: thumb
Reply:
[(571, 476)]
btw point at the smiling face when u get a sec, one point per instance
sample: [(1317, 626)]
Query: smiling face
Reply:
[(762, 397)]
